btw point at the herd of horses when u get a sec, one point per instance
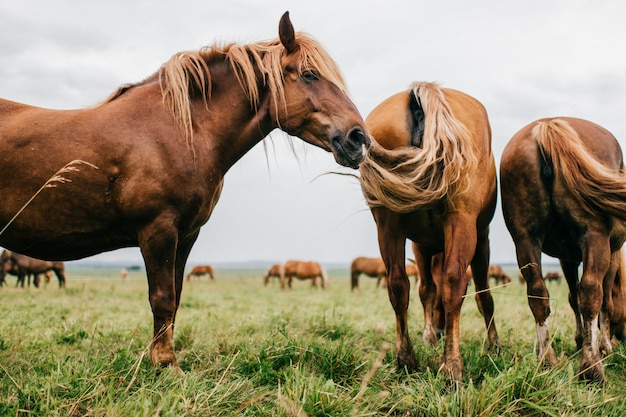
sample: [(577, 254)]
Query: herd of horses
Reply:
[(24, 268), (145, 168)]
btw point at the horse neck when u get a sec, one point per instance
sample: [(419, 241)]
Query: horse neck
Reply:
[(229, 122)]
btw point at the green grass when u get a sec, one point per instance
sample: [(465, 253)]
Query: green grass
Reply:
[(257, 351)]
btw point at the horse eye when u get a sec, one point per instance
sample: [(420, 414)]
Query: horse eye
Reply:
[(310, 75)]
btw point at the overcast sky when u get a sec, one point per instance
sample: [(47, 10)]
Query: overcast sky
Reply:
[(522, 59)]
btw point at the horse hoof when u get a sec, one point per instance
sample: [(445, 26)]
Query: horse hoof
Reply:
[(548, 358), (453, 369), (592, 373), (406, 360)]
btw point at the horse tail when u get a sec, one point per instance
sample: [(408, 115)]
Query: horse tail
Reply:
[(354, 277), (407, 178), (324, 277), (597, 188)]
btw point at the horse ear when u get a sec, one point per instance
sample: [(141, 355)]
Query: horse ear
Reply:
[(286, 33)]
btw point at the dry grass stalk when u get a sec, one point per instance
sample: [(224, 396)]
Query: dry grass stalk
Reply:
[(52, 182)]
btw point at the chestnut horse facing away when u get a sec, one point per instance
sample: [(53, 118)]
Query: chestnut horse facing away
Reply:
[(145, 167), (564, 194), (199, 270), (24, 267), (430, 177), (305, 270)]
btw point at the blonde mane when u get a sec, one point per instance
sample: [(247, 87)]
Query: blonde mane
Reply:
[(405, 179), (187, 72)]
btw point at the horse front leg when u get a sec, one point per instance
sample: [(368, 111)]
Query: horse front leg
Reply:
[(480, 268), (158, 243), (433, 330), (391, 242)]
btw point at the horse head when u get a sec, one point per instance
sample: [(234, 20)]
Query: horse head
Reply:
[(314, 104)]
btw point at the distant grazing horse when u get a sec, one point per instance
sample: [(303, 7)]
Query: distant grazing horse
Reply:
[(375, 268), (275, 271), (305, 270), (24, 267), (552, 276), (411, 271), (145, 167), (497, 272), (371, 267), (430, 177), (199, 270), (564, 194)]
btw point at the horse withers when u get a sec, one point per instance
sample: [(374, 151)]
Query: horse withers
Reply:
[(430, 177), (564, 194), (146, 166)]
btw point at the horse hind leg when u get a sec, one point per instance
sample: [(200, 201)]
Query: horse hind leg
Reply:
[(433, 328), (570, 271), (590, 300), (484, 300)]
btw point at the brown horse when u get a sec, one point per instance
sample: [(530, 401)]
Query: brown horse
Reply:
[(371, 267), (24, 267), (497, 272), (145, 167), (552, 276), (375, 268), (305, 270), (564, 194), (430, 177), (275, 271), (199, 270)]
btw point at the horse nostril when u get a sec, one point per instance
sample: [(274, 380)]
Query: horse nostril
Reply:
[(357, 137)]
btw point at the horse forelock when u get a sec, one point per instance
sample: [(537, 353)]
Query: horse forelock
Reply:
[(407, 178), (190, 71)]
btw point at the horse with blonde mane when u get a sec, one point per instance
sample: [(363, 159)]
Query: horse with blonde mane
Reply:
[(564, 194), (146, 166), (430, 177), (304, 270)]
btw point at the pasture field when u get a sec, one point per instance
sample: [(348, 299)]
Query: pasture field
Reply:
[(250, 350)]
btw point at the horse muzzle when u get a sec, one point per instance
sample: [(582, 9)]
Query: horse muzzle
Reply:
[(350, 150)]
